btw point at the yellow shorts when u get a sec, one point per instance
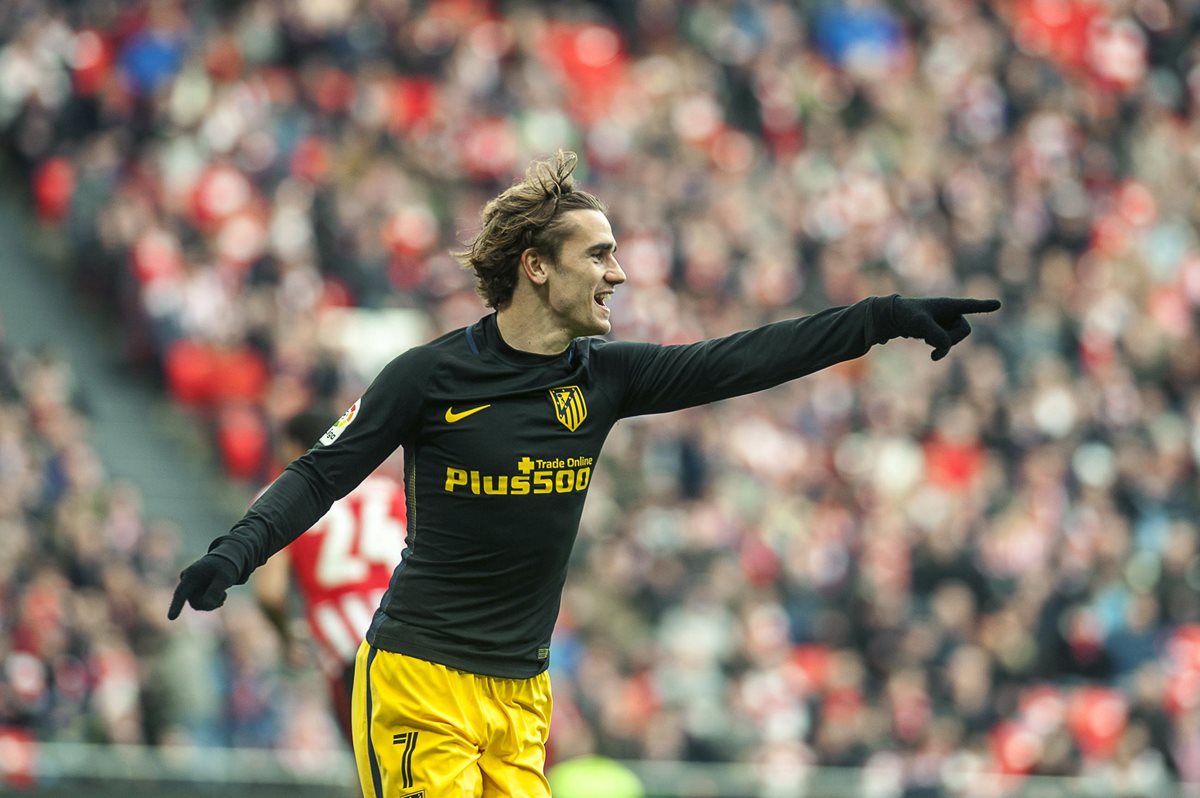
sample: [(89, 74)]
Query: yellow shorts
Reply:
[(422, 730)]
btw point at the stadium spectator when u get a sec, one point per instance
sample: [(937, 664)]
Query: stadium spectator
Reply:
[(80, 658)]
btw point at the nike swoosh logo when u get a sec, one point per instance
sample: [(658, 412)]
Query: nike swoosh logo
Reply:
[(452, 417)]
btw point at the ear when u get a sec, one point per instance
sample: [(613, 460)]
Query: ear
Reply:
[(534, 266)]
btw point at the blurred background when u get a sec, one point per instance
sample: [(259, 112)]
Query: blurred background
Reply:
[(894, 578)]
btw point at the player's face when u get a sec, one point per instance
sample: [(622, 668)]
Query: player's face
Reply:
[(585, 275)]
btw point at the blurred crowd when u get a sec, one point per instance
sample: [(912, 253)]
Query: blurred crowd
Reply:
[(86, 654), (987, 564)]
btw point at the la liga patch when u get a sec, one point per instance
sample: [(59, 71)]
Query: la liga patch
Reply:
[(346, 420)]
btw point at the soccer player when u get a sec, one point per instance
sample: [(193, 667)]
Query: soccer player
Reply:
[(341, 566), (502, 423)]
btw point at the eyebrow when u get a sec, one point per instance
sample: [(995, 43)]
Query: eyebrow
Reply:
[(605, 246)]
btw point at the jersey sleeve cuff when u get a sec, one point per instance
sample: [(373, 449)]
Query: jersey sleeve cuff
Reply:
[(881, 320)]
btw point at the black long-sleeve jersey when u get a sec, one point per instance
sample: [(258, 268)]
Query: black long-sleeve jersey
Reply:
[(499, 449)]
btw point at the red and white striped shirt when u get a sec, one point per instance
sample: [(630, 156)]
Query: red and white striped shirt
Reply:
[(344, 563)]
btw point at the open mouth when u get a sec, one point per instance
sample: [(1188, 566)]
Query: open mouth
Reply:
[(601, 299)]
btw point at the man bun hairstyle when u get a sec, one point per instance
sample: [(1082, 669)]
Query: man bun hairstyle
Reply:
[(528, 214)]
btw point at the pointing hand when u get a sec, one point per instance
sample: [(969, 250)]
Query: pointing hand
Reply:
[(203, 584), (940, 322)]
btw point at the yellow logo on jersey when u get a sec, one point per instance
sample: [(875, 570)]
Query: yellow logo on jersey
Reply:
[(454, 418), (535, 477), (569, 406)]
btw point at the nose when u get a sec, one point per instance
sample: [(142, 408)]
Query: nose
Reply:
[(615, 275)]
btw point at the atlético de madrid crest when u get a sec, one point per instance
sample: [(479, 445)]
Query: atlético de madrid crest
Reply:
[(569, 406)]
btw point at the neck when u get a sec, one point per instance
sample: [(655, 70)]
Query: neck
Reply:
[(531, 332)]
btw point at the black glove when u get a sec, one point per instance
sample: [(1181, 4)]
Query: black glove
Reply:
[(203, 584), (939, 322)]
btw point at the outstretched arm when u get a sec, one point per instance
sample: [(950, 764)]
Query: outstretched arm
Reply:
[(364, 437), (660, 379)]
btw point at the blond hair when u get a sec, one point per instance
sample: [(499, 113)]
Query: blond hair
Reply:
[(529, 214)]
